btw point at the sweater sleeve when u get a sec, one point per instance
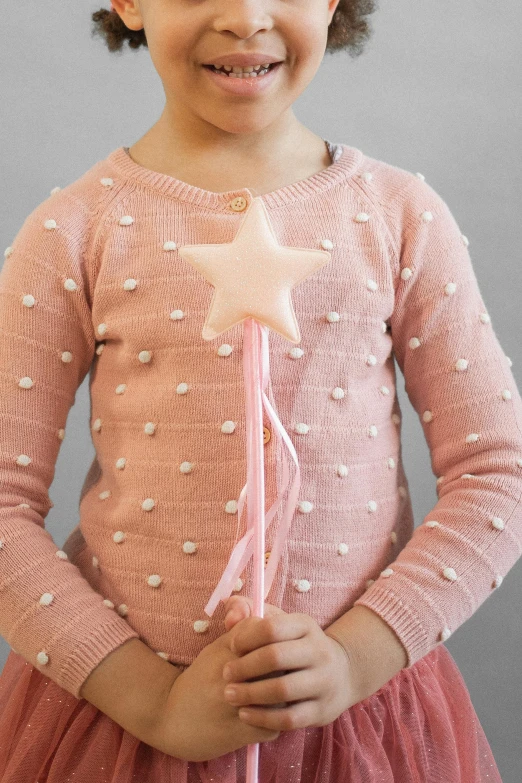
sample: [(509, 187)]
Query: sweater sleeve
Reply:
[(459, 382), (49, 613)]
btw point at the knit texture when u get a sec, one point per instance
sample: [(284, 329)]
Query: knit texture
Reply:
[(93, 283)]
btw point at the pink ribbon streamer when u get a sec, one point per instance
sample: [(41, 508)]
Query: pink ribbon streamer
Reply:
[(244, 549)]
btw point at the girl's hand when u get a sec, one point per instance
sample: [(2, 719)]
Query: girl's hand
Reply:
[(317, 681), (195, 721)]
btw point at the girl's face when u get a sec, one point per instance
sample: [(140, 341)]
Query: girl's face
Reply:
[(183, 35)]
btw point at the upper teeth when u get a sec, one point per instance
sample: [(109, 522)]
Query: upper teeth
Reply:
[(240, 69)]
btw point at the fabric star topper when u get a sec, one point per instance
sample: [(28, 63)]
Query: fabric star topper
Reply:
[(253, 276)]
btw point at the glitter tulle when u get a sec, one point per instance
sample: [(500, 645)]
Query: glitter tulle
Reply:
[(420, 727)]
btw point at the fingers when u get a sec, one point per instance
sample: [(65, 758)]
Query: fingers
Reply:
[(245, 606), (239, 607), (231, 619), (295, 716), (238, 603), (270, 659), (259, 631), (290, 686)]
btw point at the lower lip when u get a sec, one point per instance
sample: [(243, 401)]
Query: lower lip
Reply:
[(249, 86)]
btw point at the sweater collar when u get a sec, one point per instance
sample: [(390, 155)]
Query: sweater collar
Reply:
[(346, 160)]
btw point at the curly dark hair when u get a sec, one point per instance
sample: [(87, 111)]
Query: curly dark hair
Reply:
[(348, 29)]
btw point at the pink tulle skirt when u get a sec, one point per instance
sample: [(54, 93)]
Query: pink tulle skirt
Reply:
[(420, 727)]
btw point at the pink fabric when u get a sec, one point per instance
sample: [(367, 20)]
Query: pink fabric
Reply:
[(93, 283), (420, 727)]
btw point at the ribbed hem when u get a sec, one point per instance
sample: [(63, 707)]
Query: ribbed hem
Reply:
[(91, 651), (400, 618), (338, 171)]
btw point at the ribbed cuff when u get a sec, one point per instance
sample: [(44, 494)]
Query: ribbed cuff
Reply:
[(400, 618), (89, 652)]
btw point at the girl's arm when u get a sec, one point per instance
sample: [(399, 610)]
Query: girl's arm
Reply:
[(49, 613), (131, 686), (374, 650), (459, 382)]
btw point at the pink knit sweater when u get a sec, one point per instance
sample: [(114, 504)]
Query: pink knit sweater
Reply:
[(93, 282)]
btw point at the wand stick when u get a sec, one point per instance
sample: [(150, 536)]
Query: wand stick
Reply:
[(255, 483)]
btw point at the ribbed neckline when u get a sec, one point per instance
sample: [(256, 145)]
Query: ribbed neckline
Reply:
[(340, 169)]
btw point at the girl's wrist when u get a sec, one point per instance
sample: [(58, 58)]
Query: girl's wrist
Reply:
[(131, 686), (374, 651)]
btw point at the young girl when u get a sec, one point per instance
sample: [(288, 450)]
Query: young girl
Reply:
[(116, 673)]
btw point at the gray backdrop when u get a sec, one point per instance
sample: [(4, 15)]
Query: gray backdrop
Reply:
[(437, 91)]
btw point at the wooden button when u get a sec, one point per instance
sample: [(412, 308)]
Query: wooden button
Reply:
[(266, 435), (238, 204), (267, 555)]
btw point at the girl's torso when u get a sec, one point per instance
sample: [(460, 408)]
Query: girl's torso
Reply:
[(158, 509)]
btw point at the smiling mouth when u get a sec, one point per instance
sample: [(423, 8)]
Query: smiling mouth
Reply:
[(243, 75)]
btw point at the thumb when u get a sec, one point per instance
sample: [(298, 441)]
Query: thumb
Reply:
[(238, 607)]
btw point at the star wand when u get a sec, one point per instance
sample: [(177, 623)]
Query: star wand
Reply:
[(252, 278)]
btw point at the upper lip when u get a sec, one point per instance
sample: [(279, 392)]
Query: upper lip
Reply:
[(243, 58)]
